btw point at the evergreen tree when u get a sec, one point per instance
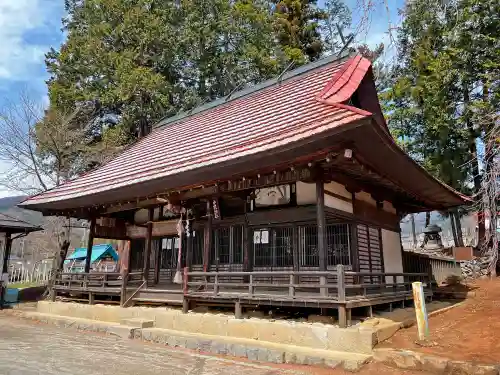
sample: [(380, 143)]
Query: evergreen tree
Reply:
[(298, 29), (133, 62), (126, 64), (446, 86)]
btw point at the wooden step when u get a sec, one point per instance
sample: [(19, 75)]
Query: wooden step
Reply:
[(157, 301)]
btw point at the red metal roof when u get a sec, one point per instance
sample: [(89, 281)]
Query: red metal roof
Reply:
[(298, 107)]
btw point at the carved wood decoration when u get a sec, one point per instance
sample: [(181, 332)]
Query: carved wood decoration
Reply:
[(371, 214), (122, 231), (278, 178)]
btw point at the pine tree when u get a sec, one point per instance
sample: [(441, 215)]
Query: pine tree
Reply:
[(127, 64), (298, 29), (140, 60), (446, 86)]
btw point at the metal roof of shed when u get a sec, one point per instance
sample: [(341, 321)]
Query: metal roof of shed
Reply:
[(98, 252), (14, 225)]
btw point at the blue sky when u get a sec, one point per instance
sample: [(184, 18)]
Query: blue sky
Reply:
[(28, 28)]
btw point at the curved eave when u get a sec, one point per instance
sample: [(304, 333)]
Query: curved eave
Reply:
[(378, 150)]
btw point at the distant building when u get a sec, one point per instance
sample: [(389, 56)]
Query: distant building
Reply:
[(104, 258), (10, 229)]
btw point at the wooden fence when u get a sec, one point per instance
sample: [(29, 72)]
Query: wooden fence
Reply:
[(330, 291), (442, 269), (40, 274), (338, 289)]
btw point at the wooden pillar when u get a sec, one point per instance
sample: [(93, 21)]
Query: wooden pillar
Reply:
[(247, 249), (295, 252), (147, 245), (185, 305), (6, 253), (216, 242), (321, 223), (123, 289), (157, 263), (238, 311), (207, 238), (90, 244), (189, 242), (353, 241)]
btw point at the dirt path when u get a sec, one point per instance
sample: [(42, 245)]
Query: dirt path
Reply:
[(467, 332)]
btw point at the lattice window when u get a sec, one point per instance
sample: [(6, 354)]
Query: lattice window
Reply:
[(228, 245), (169, 251), (197, 247), (283, 247), (273, 247), (338, 244), (136, 254), (237, 241), (262, 249), (308, 246)]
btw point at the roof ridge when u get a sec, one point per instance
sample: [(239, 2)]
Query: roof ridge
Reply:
[(253, 89)]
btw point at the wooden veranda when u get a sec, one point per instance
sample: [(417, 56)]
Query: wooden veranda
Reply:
[(341, 290)]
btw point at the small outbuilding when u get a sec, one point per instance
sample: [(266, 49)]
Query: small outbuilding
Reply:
[(103, 259), (10, 229)]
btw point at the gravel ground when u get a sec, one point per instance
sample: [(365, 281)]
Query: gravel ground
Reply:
[(29, 348)]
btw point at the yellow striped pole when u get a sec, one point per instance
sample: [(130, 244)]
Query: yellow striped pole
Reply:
[(420, 311)]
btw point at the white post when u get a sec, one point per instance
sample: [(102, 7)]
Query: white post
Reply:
[(420, 311)]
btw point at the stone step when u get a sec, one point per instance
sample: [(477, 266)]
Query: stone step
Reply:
[(138, 323), (116, 329), (254, 350)]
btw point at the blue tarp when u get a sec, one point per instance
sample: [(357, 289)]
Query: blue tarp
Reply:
[(98, 252)]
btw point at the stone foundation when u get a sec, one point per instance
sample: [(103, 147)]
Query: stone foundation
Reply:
[(357, 339)]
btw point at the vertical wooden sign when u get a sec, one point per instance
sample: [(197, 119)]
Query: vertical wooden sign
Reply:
[(216, 209), (420, 311)]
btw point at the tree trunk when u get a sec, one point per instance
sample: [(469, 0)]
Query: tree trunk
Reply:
[(454, 228), (59, 263), (427, 218), (413, 230), (475, 164), (458, 228)]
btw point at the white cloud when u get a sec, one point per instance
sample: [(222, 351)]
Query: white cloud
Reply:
[(23, 27)]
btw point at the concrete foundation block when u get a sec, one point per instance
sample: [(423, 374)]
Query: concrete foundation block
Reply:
[(122, 331), (205, 345), (352, 340), (252, 353), (314, 361), (353, 365), (332, 363), (241, 328), (432, 364), (138, 322), (192, 343), (290, 357), (219, 348), (237, 350), (276, 356)]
